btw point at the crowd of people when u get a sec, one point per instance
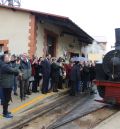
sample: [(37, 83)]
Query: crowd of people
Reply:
[(50, 72)]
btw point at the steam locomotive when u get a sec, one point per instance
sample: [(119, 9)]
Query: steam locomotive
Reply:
[(108, 74)]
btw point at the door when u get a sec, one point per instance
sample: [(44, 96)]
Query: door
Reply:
[(51, 45)]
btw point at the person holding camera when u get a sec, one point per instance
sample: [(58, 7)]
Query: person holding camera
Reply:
[(7, 73), (13, 64)]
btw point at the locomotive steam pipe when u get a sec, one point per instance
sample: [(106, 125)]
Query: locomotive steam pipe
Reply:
[(117, 37)]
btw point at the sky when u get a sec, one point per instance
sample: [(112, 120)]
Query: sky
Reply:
[(96, 17)]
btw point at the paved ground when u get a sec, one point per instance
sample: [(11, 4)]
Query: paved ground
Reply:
[(18, 107), (85, 105), (112, 122)]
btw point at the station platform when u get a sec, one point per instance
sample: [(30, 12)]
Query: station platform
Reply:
[(18, 108), (112, 122)]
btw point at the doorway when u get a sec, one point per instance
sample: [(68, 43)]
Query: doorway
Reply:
[(51, 45)]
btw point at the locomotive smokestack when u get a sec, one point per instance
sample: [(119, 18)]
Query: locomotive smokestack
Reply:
[(117, 36)]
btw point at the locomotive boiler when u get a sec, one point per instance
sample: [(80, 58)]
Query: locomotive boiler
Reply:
[(108, 74)]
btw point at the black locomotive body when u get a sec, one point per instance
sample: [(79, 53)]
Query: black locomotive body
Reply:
[(108, 74)]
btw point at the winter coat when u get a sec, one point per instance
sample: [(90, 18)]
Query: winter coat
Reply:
[(75, 73), (13, 64), (25, 68), (92, 73), (55, 72), (1, 63), (68, 68), (46, 68), (7, 74), (86, 73), (37, 68)]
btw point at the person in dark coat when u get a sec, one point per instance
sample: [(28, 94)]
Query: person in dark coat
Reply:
[(1, 89), (55, 75), (13, 63), (61, 72), (25, 67), (46, 69), (79, 87), (75, 78), (6, 82), (1, 96), (36, 66), (85, 76), (68, 70)]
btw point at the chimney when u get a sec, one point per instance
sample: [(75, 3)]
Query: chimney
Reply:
[(117, 36)]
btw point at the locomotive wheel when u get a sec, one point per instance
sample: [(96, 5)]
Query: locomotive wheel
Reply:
[(101, 91)]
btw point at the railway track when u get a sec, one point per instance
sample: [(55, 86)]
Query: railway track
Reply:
[(43, 109), (88, 121), (61, 107), (76, 108), (63, 113)]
